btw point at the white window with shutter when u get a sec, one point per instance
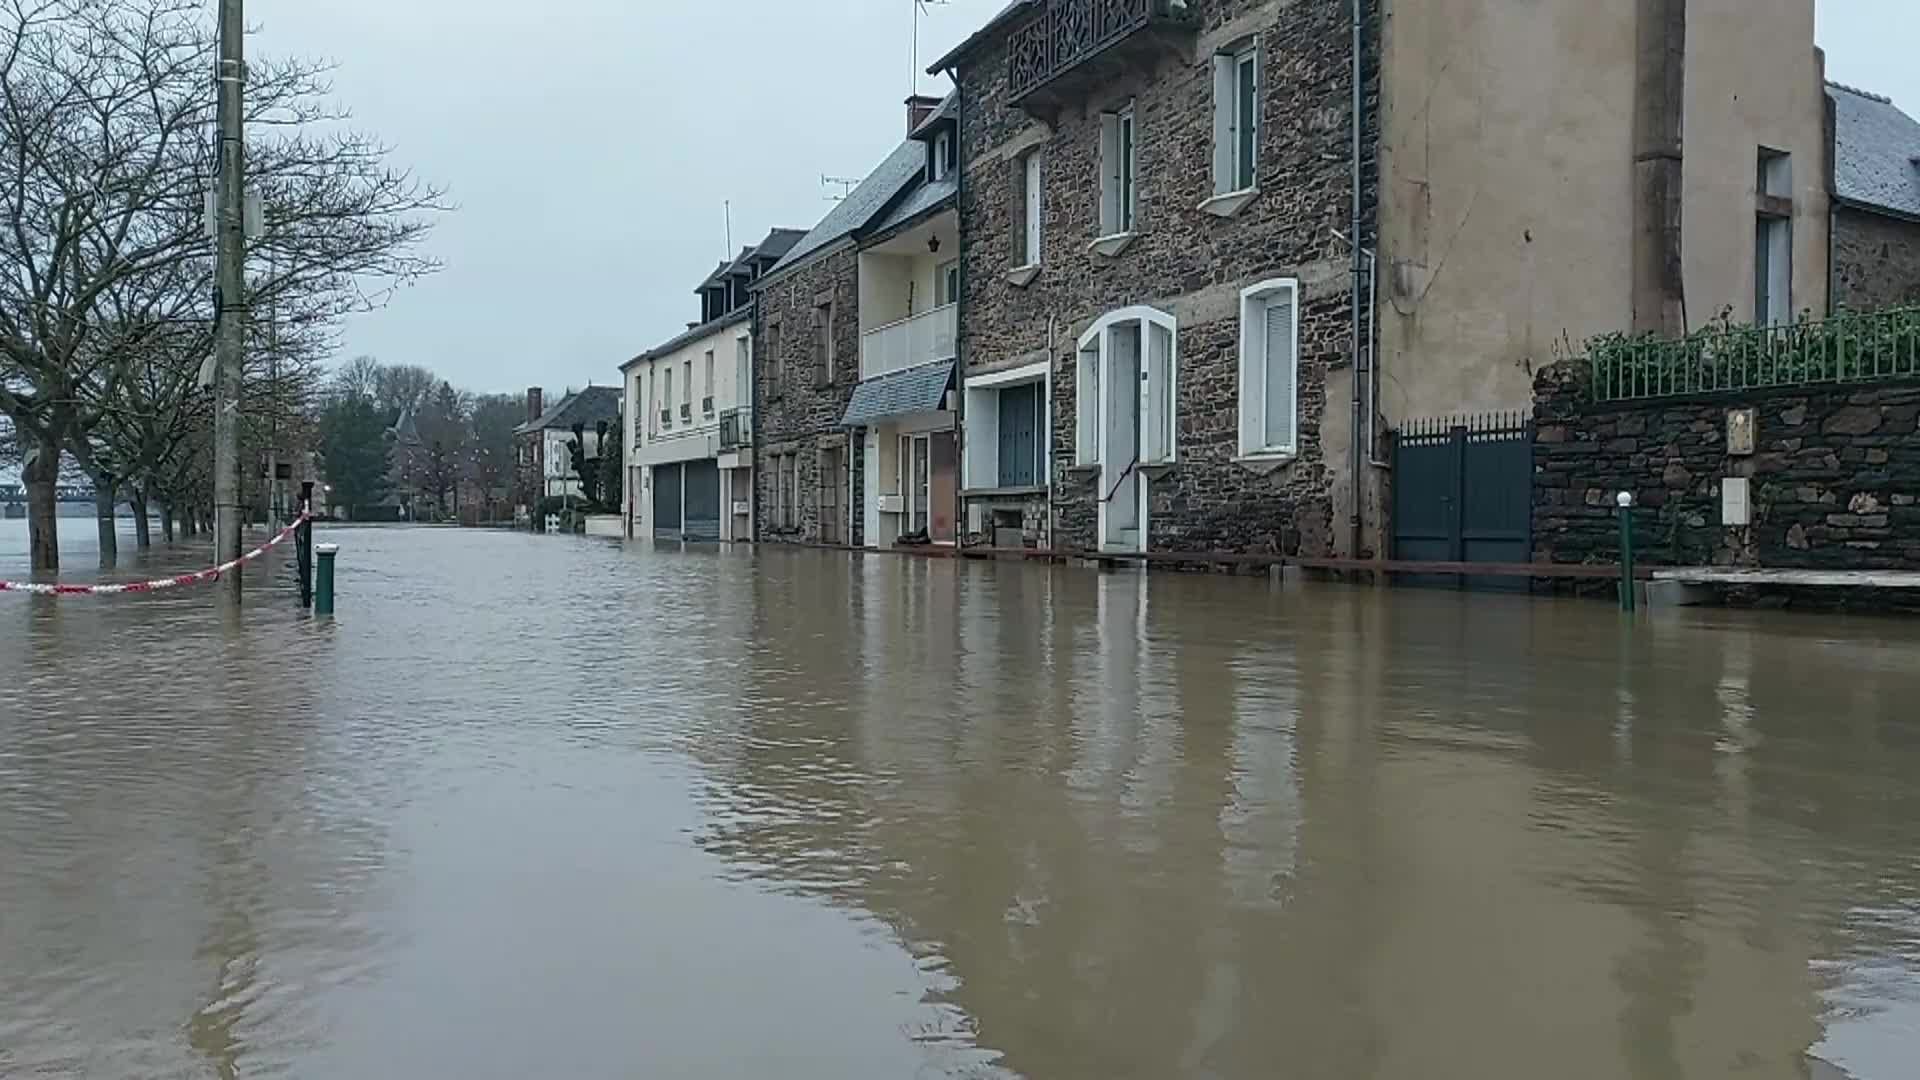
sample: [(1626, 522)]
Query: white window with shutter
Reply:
[(1118, 157), (1086, 401), (1270, 369), (1236, 119), (1032, 207)]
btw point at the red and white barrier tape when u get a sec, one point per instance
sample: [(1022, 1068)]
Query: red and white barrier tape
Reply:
[(159, 584)]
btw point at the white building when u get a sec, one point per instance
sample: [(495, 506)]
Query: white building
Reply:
[(689, 413)]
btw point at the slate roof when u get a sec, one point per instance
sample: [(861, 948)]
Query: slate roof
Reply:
[(929, 197), (588, 407), (706, 329), (1876, 152), (863, 204), (914, 389)]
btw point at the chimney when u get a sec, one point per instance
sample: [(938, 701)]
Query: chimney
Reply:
[(919, 107), (535, 406)]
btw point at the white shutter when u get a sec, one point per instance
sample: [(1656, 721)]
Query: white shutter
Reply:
[(1109, 173), (1225, 135), (1087, 408), (1033, 209), (1159, 437), (1280, 409)]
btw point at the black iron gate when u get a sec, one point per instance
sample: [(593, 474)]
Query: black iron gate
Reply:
[(1463, 493), (666, 502), (703, 499)]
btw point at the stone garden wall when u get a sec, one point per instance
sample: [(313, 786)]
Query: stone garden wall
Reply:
[(1833, 475)]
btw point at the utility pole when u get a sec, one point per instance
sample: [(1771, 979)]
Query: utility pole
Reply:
[(231, 244)]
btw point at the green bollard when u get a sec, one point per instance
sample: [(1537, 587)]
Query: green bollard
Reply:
[(323, 579), (1627, 599)]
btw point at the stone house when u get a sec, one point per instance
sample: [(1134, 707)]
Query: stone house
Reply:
[(1876, 202), (1157, 208), (544, 441), (851, 376), (689, 412)]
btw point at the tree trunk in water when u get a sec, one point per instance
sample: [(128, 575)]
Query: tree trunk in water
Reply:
[(105, 486), (43, 512), (166, 522), (142, 532)]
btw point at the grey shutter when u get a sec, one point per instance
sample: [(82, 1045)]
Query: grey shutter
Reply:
[(1280, 408)]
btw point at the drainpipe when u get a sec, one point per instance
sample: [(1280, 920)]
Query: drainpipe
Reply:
[(959, 319), (1356, 456)]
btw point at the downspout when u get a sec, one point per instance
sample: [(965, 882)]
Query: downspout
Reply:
[(1356, 457), (959, 317)]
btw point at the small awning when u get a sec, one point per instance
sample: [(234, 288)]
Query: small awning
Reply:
[(897, 393)]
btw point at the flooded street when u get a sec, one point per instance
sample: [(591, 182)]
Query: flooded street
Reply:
[(547, 807)]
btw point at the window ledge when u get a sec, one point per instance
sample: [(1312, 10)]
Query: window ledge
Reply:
[(1265, 464), (1155, 471), (1022, 276), (1003, 492), (1083, 472), (1230, 203), (1113, 245)]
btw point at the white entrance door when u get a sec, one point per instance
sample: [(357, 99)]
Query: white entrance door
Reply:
[(1123, 491)]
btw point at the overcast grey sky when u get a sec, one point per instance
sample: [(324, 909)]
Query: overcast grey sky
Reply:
[(591, 143)]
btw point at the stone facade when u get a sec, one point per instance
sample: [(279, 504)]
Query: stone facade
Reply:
[(1876, 260), (1834, 476), (797, 407), (1184, 261)]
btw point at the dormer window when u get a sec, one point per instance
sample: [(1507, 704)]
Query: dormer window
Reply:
[(942, 156)]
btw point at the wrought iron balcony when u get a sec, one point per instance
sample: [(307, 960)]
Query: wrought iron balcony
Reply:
[(1075, 43), (736, 429)]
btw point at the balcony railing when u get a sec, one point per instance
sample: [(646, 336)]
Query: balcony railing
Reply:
[(1069, 33), (920, 339), (1849, 347), (736, 429)]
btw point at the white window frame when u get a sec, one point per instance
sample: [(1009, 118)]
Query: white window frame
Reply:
[(1773, 244), (1033, 204), (666, 398), (1229, 118), (942, 155), (1252, 412), (1119, 172), (707, 399), (1093, 347), (980, 463)]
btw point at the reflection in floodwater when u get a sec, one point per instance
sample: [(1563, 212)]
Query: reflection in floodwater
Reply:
[(542, 807)]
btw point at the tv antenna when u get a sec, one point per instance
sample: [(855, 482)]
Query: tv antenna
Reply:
[(920, 7), (844, 183)]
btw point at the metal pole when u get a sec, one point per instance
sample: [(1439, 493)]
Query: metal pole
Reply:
[(231, 291), (1625, 501), (303, 545), (323, 581)]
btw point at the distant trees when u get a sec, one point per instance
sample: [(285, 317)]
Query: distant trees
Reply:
[(353, 443), (439, 448)]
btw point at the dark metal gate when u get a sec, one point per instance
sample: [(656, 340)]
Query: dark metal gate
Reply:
[(703, 499), (666, 502), (1463, 493)]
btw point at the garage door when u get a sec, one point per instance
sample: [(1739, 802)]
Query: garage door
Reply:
[(666, 502), (703, 500)]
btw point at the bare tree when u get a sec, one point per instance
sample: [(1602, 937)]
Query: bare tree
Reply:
[(104, 256)]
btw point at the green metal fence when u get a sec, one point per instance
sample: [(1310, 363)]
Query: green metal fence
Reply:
[(1847, 348)]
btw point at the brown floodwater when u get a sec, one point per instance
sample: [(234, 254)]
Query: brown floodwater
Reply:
[(560, 808)]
